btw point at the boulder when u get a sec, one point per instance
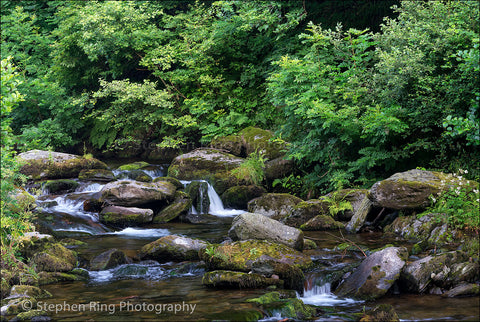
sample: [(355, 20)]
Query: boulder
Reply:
[(286, 305), (32, 242), (360, 215), (45, 278), (181, 205), (306, 210), (375, 275), (134, 166), (198, 192), (241, 255), (173, 248), (109, 259), (412, 189), (28, 291), (466, 289), (125, 216), (41, 165), (249, 140), (237, 197), (274, 205), (173, 181), (278, 168), (255, 226), (381, 313), (137, 175), (322, 222), (61, 185), (444, 271), (238, 280), (54, 258), (353, 196), (133, 193), (206, 164), (23, 200), (96, 175), (291, 275)]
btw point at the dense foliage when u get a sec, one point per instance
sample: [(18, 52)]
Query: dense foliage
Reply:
[(357, 102)]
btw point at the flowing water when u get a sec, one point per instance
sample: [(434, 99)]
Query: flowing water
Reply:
[(150, 290)]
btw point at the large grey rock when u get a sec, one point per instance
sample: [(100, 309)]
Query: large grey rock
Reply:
[(375, 275), (134, 193), (412, 189), (256, 226), (40, 164), (274, 205), (125, 216), (108, 259), (306, 210), (173, 248), (444, 271), (359, 216)]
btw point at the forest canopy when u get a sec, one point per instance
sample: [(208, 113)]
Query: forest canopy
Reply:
[(361, 89)]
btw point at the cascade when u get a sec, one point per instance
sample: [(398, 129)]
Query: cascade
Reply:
[(317, 292)]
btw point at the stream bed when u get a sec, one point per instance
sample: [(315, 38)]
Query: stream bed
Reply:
[(150, 290)]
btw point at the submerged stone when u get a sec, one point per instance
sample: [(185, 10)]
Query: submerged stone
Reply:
[(109, 259)]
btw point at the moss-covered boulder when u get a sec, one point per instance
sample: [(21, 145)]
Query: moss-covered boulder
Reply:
[(32, 242), (172, 180), (108, 259), (249, 140), (309, 244), (198, 192), (322, 222), (292, 275), (255, 226), (238, 280), (125, 216), (241, 255), (18, 305), (306, 210), (134, 193), (45, 278), (287, 306), (60, 186), (444, 271), (172, 248), (41, 165), (274, 205), (96, 175), (23, 200), (33, 315), (206, 164), (237, 197), (54, 258), (137, 175), (278, 168), (352, 196), (134, 166), (375, 275), (380, 313), (412, 189), (181, 205), (29, 291)]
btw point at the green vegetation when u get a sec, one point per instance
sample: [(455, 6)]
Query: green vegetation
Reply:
[(251, 171)]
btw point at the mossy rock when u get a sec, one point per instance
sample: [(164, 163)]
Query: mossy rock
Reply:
[(238, 280), (288, 307), (55, 165), (234, 144), (45, 278), (352, 196), (306, 210), (380, 313), (125, 216), (33, 315), (134, 166), (274, 205), (198, 192), (61, 185), (23, 200), (109, 259), (135, 193), (33, 242), (278, 168), (237, 197), (172, 180), (29, 291), (137, 175), (322, 222), (181, 205), (309, 244), (18, 305), (292, 275), (54, 258), (96, 175), (241, 255), (173, 248)]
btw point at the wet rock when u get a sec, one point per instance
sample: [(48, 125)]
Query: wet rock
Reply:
[(322, 222), (198, 192), (292, 276), (444, 270), (18, 305), (32, 242), (173, 181), (23, 200), (256, 226), (306, 210), (206, 164), (54, 258), (125, 216), (352, 196), (134, 193), (181, 205), (173, 248), (380, 313), (359, 217), (309, 244), (375, 275), (60, 186), (18, 291), (238, 280), (33, 315), (55, 165), (134, 166), (96, 175), (137, 175), (45, 278), (466, 289), (289, 307), (241, 255), (278, 168), (412, 189), (237, 197), (274, 205), (109, 259)]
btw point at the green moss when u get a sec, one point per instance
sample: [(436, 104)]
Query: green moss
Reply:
[(290, 307), (172, 180), (27, 316), (180, 205), (40, 169), (134, 165), (229, 279), (96, 174)]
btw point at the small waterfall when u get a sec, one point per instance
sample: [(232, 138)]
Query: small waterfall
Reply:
[(90, 187), (319, 293)]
